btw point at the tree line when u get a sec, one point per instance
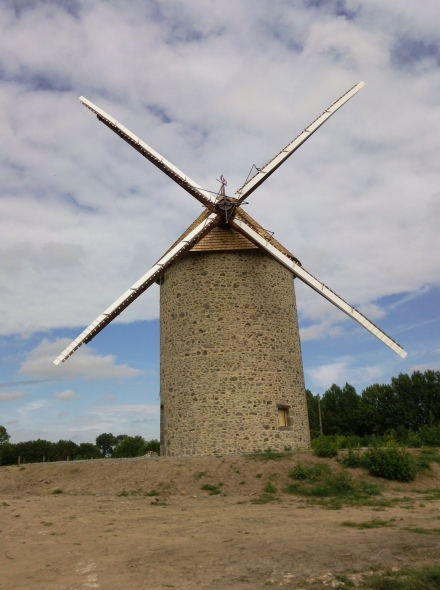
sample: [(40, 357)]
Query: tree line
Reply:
[(408, 409), (106, 445), (409, 404)]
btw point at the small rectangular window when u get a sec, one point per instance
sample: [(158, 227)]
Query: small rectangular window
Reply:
[(283, 417)]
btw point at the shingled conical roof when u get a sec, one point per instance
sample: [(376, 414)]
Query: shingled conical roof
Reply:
[(219, 239)]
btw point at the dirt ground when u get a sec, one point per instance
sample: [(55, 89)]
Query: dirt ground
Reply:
[(90, 524)]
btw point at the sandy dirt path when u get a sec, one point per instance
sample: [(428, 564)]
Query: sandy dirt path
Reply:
[(66, 526)]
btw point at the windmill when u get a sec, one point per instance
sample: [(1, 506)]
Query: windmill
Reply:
[(231, 372)]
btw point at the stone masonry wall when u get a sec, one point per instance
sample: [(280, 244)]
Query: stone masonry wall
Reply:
[(230, 355)]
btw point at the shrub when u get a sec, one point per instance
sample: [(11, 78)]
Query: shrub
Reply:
[(213, 490), (414, 440), (269, 488), (390, 463), (353, 459), (430, 435), (324, 446), (301, 472), (339, 484)]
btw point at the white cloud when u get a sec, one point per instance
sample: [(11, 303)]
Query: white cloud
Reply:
[(65, 395), (343, 371), (12, 421), (119, 417), (11, 395), (319, 331), (84, 216), (84, 363), (372, 311)]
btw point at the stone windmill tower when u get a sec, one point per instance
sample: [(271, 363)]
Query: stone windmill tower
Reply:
[(231, 370)]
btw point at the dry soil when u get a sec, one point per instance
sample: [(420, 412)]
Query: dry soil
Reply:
[(90, 524)]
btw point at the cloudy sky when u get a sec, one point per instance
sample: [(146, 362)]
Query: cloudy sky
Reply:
[(214, 87)]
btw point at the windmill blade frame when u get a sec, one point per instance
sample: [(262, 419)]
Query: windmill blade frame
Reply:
[(151, 155), (140, 286), (316, 285), (269, 168)]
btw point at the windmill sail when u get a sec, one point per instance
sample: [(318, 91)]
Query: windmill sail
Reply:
[(272, 165), (140, 286), (154, 157), (316, 285)]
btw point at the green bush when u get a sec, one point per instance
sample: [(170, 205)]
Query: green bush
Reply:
[(325, 446), (353, 459), (299, 472), (429, 435), (213, 490), (390, 463), (269, 488), (413, 440), (302, 472), (428, 578)]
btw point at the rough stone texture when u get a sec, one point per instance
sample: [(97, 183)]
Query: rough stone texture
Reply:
[(230, 356)]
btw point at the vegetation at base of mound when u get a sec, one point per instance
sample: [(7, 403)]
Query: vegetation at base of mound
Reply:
[(422, 531), (270, 455), (331, 490), (324, 446), (390, 463), (428, 578), (138, 492), (369, 524), (212, 489)]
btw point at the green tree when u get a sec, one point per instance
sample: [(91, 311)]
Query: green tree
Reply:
[(313, 412), (377, 410), (130, 446), (4, 436), (152, 445), (88, 451), (8, 454), (340, 410), (106, 443), (64, 449)]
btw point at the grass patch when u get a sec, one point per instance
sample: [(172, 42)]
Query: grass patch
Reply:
[(430, 495), (269, 488), (333, 491), (213, 490), (265, 499), (426, 457), (309, 472), (137, 492), (421, 531), (375, 523), (269, 455), (158, 502), (57, 491), (427, 578)]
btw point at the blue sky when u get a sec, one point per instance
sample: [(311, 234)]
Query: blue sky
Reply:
[(214, 87)]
